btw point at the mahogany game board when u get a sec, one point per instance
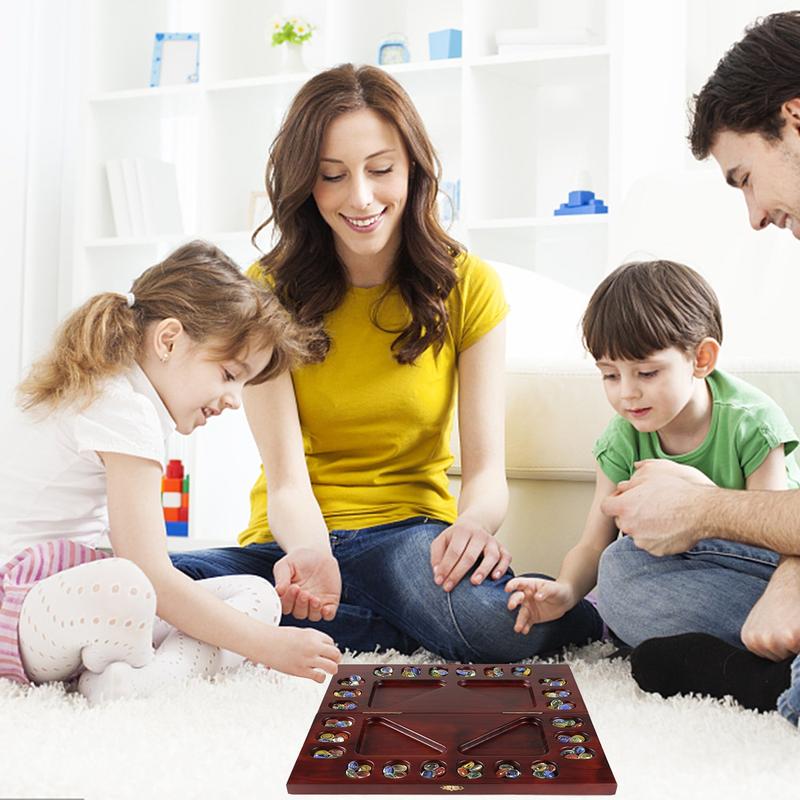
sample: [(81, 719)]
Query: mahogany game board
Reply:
[(433, 728)]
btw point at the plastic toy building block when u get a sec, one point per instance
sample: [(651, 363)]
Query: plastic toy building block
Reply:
[(171, 499), (444, 44), (175, 468), (580, 198), (175, 499), (171, 485), (177, 528), (581, 202)]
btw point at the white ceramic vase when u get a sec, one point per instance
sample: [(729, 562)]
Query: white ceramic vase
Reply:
[(292, 58)]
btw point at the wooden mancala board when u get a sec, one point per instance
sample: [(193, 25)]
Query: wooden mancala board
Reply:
[(458, 728)]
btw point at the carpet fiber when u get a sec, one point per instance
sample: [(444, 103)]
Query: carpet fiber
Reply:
[(238, 738)]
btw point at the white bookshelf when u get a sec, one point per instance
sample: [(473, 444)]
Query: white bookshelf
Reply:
[(515, 130), (503, 125)]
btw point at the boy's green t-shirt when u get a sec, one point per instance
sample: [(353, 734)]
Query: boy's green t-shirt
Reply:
[(746, 424)]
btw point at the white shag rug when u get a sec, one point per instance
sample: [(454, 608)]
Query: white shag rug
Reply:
[(238, 737)]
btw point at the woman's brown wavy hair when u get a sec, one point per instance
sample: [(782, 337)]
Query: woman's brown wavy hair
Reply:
[(303, 265), (197, 284)]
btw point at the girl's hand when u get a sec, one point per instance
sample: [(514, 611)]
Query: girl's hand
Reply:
[(304, 652), (309, 584), (456, 549), (538, 600)]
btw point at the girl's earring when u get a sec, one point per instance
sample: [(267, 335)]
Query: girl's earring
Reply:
[(164, 357)]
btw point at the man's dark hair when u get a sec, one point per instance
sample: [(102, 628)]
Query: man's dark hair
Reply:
[(751, 83), (646, 306)]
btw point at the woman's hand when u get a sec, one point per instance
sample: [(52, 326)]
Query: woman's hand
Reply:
[(309, 584), (457, 548), (304, 652), (538, 600)]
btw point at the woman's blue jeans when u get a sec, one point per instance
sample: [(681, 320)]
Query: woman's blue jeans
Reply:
[(709, 589), (389, 599)]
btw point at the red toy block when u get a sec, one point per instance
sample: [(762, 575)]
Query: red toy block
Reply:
[(183, 514), (172, 514), (175, 468)]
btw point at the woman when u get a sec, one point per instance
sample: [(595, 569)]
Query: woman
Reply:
[(355, 444)]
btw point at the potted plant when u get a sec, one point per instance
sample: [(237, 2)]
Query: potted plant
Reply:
[(290, 33)]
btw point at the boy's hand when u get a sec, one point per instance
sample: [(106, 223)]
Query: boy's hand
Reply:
[(655, 467), (538, 600), (304, 652)]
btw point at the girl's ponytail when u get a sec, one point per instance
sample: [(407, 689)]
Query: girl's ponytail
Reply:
[(96, 341), (198, 285)]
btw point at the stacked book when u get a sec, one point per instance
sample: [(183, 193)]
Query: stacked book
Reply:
[(144, 197)]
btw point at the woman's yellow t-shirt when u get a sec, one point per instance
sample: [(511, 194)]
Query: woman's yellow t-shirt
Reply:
[(377, 433)]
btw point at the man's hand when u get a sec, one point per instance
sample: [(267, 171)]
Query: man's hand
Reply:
[(309, 584), (659, 507), (772, 628), (457, 548)]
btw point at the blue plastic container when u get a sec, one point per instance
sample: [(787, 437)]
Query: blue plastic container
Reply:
[(444, 44)]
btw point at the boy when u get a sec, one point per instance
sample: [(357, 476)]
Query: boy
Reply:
[(655, 330)]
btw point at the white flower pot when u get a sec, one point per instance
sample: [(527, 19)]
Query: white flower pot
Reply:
[(292, 58)]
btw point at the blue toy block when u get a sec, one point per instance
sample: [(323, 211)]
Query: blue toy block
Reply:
[(444, 44), (177, 528), (580, 198), (581, 202)]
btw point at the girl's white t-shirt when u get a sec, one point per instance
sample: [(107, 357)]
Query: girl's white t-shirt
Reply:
[(53, 483)]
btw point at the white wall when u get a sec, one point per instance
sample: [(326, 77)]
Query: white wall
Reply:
[(675, 207), (14, 66), (38, 141)]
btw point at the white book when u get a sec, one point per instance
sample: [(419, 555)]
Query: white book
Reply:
[(158, 187), (134, 196), (119, 198)]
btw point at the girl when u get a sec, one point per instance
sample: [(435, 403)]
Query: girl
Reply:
[(655, 329), (84, 456), (356, 445)]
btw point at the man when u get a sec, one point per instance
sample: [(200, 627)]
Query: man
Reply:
[(705, 569)]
